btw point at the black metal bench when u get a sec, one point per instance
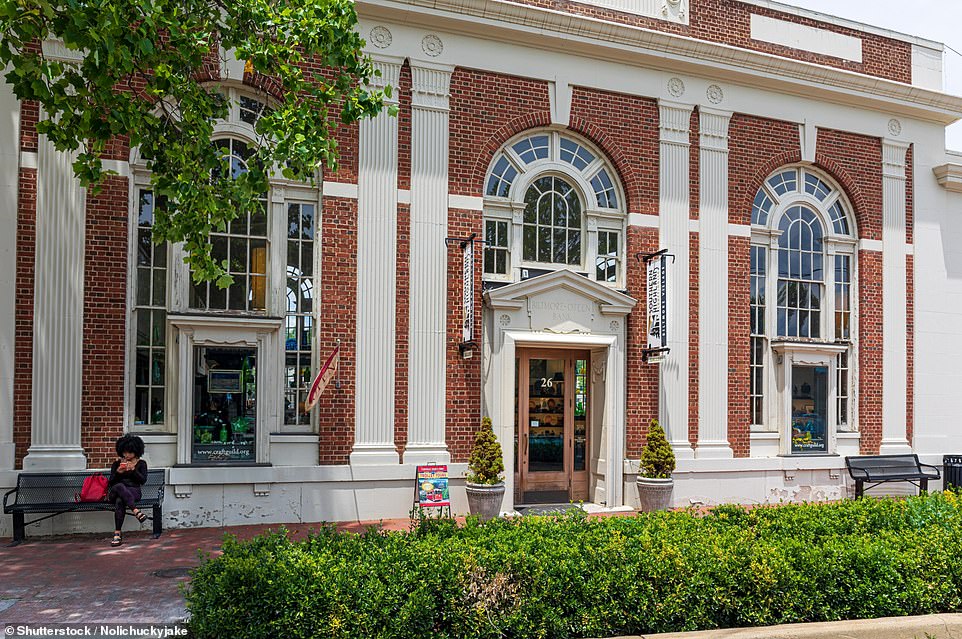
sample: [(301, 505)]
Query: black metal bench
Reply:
[(880, 469), (53, 493)]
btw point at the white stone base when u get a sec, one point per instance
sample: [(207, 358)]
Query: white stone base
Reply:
[(41, 458), (713, 450), (371, 455), (426, 454), (895, 447)]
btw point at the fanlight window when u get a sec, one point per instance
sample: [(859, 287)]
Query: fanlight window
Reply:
[(552, 201)]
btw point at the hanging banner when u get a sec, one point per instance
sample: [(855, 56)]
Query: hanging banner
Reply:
[(467, 292), (657, 303), (324, 377), (432, 487)]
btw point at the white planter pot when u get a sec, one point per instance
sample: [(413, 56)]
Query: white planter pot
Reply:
[(485, 499), (654, 494)]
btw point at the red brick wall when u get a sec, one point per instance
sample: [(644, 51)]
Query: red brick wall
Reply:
[(693, 363), (729, 22), (856, 162), (641, 381), (870, 350), (402, 326), (338, 320), (486, 110), (23, 348), (463, 375), (739, 345), (105, 310), (625, 127), (404, 128), (757, 147)]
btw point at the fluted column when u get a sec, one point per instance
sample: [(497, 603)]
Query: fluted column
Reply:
[(894, 350), (713, 285), (58, 313), (376, 281), (9, 174), (430, 89), (674, 125)]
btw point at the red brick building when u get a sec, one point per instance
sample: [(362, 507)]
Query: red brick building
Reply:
[(788, 163)]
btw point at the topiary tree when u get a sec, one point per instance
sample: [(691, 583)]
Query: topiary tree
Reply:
[(657, 458), (486, 462)]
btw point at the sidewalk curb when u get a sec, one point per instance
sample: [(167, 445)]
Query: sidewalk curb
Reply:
[(941, 626)]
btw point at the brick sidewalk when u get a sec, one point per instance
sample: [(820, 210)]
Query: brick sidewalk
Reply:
[(81, 579)]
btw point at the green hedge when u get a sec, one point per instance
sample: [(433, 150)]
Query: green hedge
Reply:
[(578, 577)]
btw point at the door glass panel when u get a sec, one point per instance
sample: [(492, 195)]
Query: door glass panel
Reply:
[(809, 414), (546, 417), (225, 404), (581, 414)]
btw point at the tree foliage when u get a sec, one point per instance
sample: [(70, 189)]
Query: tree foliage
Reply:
[(143, 71)]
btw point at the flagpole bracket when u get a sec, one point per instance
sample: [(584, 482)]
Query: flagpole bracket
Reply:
[(463, 241), (647, 257), (466, 349)]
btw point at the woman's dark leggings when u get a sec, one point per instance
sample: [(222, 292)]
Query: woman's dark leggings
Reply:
[(124, 497)]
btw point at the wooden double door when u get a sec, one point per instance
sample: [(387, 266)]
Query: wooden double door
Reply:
[(552, 430)]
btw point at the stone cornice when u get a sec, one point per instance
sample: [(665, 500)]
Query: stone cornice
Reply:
[(949, 176), (560, 31)]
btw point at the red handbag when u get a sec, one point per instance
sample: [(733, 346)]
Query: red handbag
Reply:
[(94, 489)]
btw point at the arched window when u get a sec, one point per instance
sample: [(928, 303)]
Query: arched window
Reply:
[(551, 232), (270, 253), (243, 245), (552, 201), (801, 282)]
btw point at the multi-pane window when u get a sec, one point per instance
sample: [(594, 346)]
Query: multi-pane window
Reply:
[(842, 390), (606, 264), (243, 246), (299, 320), (551, 230), (150, 317), (800, 274), (532, 149), (604, 190), (758, 342), (843, 297), (502, 176), (496, 247)]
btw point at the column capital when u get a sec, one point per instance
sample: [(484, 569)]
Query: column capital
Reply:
[(390, 70), (674, 122), (430, 85), (893, 158), (713, 129)]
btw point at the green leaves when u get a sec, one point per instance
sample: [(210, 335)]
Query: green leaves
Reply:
[(143, 72)]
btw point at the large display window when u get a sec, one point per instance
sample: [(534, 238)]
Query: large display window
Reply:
[(225, 404)]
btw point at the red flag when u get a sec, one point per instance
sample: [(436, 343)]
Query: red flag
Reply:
[(324, 377)]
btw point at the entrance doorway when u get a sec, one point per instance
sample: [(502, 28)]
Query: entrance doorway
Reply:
[(551, 433)]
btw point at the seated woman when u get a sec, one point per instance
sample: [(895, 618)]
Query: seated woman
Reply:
[(127, 475)]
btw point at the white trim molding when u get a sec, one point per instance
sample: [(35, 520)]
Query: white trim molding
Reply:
[(949, 176)]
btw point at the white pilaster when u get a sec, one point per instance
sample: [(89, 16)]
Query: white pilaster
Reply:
[(675, 128), (58, 313), (894, 350), (713, 286), (9, 177), (430, 91), (376, 280)]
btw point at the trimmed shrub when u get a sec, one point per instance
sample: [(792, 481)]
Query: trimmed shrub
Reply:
[(486, 462), (571, 576), (657, 458)]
